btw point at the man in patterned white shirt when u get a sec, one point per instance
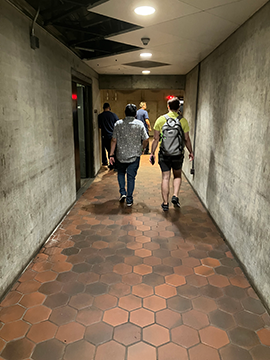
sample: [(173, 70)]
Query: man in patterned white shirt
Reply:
[(130, 136)]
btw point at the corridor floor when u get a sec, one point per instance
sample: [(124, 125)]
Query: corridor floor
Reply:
[(134, 283)]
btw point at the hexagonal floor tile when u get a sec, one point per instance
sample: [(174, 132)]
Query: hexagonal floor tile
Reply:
[(141, 351), (98, 333), (142, 317), (70, 332), (156, 335), (185, 336), (214, 337), (172, 351), (115, 316), (127, 334), (130, 302), (110, 350), (154, 303)]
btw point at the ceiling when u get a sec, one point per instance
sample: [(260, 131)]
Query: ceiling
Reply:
[(107, 34)]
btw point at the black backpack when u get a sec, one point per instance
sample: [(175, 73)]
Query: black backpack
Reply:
[(173, 137)]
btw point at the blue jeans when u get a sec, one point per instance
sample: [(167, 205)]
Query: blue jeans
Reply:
[(131, 170)]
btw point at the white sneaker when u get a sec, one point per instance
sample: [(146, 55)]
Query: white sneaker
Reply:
[(122, 198)]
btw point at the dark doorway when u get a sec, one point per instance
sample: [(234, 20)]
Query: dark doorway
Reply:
[(83, 131)]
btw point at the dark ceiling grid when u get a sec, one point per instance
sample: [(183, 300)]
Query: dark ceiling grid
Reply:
[(84, 32)]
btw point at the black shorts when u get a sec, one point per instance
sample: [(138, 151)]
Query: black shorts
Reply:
[(167, 163)]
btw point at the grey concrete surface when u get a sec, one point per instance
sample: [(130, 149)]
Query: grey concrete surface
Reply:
[(133, 82), (37, 171), (232, 158)]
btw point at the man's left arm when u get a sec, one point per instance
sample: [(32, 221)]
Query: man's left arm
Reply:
[(189, 146), (113, 146)]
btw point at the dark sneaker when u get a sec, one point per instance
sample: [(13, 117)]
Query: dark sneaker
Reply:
[(165, 207), (122, 198), (175, 201), (130, 204)]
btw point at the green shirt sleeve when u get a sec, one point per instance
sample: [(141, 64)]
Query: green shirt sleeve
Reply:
[(159, 123), (184, 125)]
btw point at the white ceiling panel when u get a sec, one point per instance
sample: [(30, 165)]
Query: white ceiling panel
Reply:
[(202, 27), (156, 37), (181, 32), (165, 10), (238, 12), (208, 4)]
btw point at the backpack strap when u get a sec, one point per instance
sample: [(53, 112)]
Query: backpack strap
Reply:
[(167, 117)]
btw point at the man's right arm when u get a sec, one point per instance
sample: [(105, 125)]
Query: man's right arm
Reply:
[(155, 143), (148, 124), (111, 155)]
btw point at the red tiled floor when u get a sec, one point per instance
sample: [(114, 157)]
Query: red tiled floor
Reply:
[(142, 317), (37, 314), (131, 284), (14, 330), (110, 350), (168, 318), (71, 332), (175, 280), (165, 291), (142, 269), (115, 316), (214, 337), (195, 319), (127, 334), (173, 352), (105, 301), (32, 299), (12, 298), (42, 331), (154, 303), (156, 335), (130, 302), (141, 351), (203, 352)]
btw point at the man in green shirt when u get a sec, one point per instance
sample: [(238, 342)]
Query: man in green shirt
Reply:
[(166, 162)]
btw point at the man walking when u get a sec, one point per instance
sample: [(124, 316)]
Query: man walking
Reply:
[(166, 159), (106, 121), (130, 135), (142, 115)]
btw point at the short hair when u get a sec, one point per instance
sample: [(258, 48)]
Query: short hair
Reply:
[(142, 103), (131, 110), (174, 103), (106, 106)]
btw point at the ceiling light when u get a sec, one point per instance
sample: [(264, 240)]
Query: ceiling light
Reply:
[(144, 10), (146, 72), (145, 55)]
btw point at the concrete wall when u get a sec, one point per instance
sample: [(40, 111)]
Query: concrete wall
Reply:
[(37, 173), (232, 155), (134, 82)]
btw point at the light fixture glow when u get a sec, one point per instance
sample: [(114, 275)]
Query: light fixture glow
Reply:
[(144, 10), (145, 55), (146, 72)]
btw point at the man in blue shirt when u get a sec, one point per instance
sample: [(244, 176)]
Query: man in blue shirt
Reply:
[(106, 121), (142, 115)]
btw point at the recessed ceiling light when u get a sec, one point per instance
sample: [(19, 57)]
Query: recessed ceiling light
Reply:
[(144, 10), (146, 72), (145, 55)]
